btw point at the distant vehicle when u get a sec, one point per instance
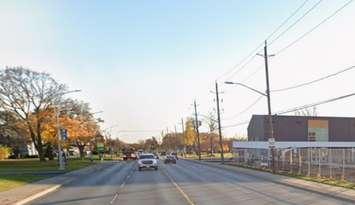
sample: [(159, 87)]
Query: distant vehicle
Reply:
[(131, 156), (128, 154), (147, 161), (156, 156), (170, 159), (175, 155)]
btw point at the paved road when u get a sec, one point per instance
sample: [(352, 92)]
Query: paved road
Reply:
[(184, 183)]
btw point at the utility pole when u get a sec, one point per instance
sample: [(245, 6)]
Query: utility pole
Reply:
[(197, 131), (182, 125), (183, 134), (175, 135), (219, 124), (270, 123)]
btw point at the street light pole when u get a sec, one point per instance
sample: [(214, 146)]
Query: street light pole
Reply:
[(270, 128), (60, 153)]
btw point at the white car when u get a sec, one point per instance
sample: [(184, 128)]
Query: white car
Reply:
[(147, 161)]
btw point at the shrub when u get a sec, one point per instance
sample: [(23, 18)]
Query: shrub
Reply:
[(5, 152)]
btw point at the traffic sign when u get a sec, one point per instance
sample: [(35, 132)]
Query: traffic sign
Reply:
[(63, 134), (271, 142), (100, 147)]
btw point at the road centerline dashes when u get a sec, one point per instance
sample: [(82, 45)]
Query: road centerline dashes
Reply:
[(123, 184)]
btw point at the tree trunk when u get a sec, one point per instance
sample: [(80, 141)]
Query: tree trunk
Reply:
[(81, 149), (49, 151)]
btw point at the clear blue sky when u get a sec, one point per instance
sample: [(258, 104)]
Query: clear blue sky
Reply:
[(143, 62)]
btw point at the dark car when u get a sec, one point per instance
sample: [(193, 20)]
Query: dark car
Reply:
[(175, 155), (170, 159)]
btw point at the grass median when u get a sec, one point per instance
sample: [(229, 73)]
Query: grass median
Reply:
[(14, 173)]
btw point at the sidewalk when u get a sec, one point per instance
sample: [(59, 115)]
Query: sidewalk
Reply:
[(333, 191), (26, 193)]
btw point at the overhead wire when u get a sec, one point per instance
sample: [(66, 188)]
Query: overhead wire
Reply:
[(236, 125), (248, 58), (297, 21), (315, 104), (246, 109), (248, 77), (314, 81), (314, 28)]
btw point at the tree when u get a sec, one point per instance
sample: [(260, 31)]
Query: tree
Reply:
[(172, 142), (212, 124), (27, 95), (190, 135), (80, 123), (307, 112)]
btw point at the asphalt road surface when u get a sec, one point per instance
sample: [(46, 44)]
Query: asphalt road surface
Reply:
[(182, 183)]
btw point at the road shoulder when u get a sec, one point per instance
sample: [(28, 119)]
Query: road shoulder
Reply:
[(327, 190)]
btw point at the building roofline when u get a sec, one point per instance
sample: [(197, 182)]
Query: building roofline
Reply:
[(311, 117)]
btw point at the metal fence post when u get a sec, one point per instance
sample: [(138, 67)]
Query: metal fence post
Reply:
[(309, 161), (343, 166), (291, 160), (299, 161), (330, 163), (319, 166)]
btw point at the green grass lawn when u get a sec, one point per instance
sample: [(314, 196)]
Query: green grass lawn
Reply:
[(14, 173)]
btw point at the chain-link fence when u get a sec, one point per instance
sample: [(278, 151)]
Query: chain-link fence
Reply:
[(334, 163)]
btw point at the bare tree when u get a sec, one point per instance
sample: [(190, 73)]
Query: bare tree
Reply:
[(212, 124), (307, 112), (27, 95)]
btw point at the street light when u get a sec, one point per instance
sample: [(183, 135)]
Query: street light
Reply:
[(248, 87), (60, 154), (267, 95)]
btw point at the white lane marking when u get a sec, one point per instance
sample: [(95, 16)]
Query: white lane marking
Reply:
[(38, 195), (122, 185), (179, 189), (114, 198)]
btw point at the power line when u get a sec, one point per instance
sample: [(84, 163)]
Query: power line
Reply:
[(259, 68), (315, 104), (314, 28), (297, 21), (287, 19), (236, 125), (314, 81), (247, 59), (246, 109), (136, 131), (243, 63)]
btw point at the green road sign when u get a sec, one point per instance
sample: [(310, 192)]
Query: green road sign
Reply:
[(100, 147)]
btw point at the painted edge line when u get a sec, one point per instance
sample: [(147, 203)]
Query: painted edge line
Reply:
[(179, 189), (38, 195)]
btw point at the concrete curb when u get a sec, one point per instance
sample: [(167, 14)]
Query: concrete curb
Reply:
[(45, 186), (314, 187)]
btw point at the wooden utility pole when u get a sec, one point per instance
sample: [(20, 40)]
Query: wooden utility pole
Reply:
[(270, 122), (219, 124)]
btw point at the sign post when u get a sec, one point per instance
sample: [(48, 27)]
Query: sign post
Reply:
[(271, 141), (100, 149)]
